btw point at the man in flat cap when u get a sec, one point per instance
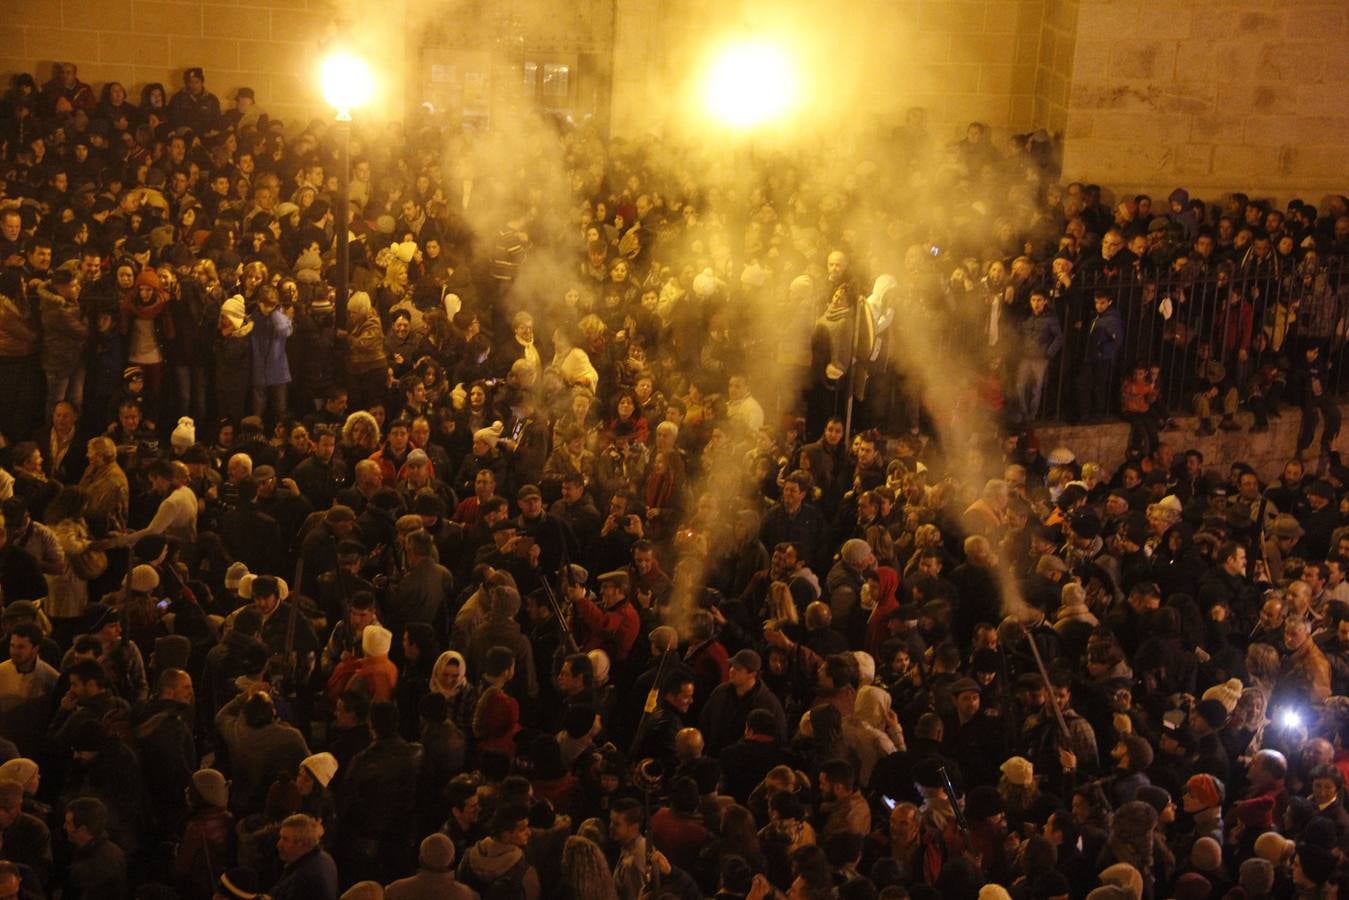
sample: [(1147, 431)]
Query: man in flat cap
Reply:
[(612, 624)]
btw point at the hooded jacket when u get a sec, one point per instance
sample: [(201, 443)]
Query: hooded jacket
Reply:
[(65, 332), (365, 349), (18, 337), (886, 603), (491, 860)]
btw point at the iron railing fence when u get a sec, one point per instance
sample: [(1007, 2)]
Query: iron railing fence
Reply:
[(1255, 322)]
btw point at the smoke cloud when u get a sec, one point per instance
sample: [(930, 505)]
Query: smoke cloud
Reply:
[(865, 161)]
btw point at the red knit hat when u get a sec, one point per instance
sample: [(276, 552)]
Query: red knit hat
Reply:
[(1206, 789), (1257, 812)]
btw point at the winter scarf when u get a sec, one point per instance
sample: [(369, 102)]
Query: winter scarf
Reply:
[(131, 305)]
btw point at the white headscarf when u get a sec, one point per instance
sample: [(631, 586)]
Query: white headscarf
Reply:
[(871, 705), (443, 660)]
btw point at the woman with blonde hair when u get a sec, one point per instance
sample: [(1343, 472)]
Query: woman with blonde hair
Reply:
[(1264, 667), (927, 535), (68, 592), (781, 611), (1249, 719), (585, 871), (878, 538), (360, 435)]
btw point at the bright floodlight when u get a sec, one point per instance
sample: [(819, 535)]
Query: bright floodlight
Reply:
[(1291, 719), (346, 81), (750, 84)]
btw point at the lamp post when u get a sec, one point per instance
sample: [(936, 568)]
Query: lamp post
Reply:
[(346, 85)]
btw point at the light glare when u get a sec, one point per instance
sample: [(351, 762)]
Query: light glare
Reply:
[(1291, 718), (750, 84), (346, 81)]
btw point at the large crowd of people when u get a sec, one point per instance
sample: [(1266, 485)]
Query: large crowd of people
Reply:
[(610, 537)]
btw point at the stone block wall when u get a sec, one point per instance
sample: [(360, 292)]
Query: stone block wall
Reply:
[(1215, 96), (869, 61), (271, 46), (1147, 94), (1054, 69), (1266, 452)]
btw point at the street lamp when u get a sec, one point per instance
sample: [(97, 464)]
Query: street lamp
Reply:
[(347, 85), (750, 84)]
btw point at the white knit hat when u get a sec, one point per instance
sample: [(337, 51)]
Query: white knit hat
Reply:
[(866, 667), (405, 251), (359, 304), (1018, 770), (184, 435), (490, 435), (376, 640), (1171, 502), (233, 310), (1061, 456), (322, 766), (144, 579), (368, 890), (599, 665), (234, 574), (20, 769), (705, 283), (1227, 693), (212, 787)]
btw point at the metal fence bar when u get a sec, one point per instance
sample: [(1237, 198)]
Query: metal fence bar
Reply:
[(1181, 323)]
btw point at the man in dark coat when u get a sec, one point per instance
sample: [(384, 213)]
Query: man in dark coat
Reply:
[(726, 712), (423, 589), (24, 838), (973, 738), (556, 542), (194, 106), (745, 763), (309, 873), (168, 756), (794, 520), (252, 536), (97, 865), (377, 800)]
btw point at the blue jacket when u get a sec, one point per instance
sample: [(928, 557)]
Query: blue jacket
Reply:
[(311, 877), (1106, 337), (1041, 336), (269, 347)]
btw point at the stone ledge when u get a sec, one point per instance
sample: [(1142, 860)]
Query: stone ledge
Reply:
[(1266, 453)]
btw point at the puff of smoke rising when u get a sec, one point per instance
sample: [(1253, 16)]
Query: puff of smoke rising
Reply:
[(834, 175)]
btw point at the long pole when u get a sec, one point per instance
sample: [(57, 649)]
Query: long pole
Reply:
[(1049, 688), (343, 212), (852, 367)]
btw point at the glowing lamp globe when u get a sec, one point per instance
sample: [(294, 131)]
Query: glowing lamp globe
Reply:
[(346, 82), (750, 84)]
